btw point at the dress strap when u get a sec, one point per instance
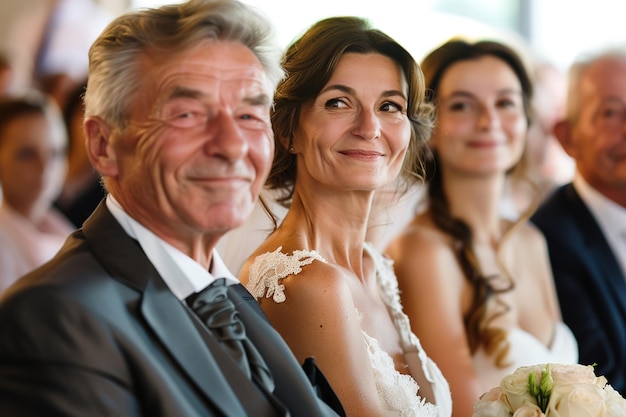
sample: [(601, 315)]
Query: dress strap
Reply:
[(270, 268)]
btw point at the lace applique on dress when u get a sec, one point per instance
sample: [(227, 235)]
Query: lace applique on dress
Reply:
[(268, 269), (397, 392), (414, 353)]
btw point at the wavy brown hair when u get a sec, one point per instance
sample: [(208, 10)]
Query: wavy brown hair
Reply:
[(478, 330), (310, 62)]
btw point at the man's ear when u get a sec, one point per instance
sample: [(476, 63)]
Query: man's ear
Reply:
[(563, 132), (99, 146)]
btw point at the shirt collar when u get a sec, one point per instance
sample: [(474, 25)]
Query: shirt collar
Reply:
[(183, 275), (610, 215)]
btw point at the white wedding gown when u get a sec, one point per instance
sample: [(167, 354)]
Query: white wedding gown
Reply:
[(397, 392), (526, 350)]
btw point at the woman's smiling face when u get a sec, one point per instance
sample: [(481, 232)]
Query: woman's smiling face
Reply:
[(481, 123), (355, 133)]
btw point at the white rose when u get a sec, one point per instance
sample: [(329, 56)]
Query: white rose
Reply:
[(575, 374), (615, 404), (515, 385), (528, 410), (492, 404), (579, 400), (492, 409)]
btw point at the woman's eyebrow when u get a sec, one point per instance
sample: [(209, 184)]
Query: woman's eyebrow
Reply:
[(352, 91)]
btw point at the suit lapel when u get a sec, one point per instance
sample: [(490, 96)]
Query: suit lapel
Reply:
[(598, 248), (171, 322), (165, 314), (249, 300)]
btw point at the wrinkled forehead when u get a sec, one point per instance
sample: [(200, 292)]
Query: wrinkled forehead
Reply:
[(229, 66), (602, 73)]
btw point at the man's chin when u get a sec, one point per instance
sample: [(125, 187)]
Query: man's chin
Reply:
[(227, 216)]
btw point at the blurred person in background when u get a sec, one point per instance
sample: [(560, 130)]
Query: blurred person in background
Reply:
[(6, 75), (546, 165), (33, 163), (466, 273), (584, 221), (82, 190)]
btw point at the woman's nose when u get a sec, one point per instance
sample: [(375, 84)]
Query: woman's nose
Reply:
[(367, 125), (488, 118)]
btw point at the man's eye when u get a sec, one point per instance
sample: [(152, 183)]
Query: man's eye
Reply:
[(252, 121), (26, 154), (608, 113), (186, 119)]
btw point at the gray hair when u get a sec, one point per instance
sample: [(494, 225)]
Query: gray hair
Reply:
[(578, 69), (114, 57)]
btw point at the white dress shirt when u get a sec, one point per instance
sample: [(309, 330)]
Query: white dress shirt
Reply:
[(183, 275), (611, 218)]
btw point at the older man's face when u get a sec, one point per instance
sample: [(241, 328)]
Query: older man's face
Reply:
[(199, 145), (598, 137)]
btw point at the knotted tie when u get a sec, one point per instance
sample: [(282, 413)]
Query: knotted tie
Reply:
[(218, 313)]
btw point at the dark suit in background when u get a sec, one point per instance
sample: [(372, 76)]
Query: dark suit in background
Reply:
[(582, 221), (590, 285)]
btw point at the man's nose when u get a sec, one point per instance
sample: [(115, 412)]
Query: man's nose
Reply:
[(226, 138)]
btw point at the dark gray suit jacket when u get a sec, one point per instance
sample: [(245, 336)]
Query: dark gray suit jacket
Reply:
[(590, 285), (96, 332)]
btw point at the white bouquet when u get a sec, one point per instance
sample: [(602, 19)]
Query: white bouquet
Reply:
[(551, 390)]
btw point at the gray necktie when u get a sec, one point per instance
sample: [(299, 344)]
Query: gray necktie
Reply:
[(218, 313)]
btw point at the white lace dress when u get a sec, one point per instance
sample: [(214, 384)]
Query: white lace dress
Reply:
[(398, 392)]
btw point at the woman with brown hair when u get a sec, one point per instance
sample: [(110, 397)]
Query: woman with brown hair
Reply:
[(350, 109), (478, 287)]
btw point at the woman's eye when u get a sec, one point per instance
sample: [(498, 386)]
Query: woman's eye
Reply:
[(336, 103), (391, 107), (459, 106), (507, 103)]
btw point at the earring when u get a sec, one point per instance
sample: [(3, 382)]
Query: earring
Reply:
[(291, 149)]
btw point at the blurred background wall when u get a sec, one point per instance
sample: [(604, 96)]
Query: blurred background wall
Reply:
[(50, 36)]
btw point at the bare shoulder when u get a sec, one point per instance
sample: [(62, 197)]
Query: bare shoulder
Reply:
[(319, 285), (530, 239), (421, 244), (289, 276), (317, 311)]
